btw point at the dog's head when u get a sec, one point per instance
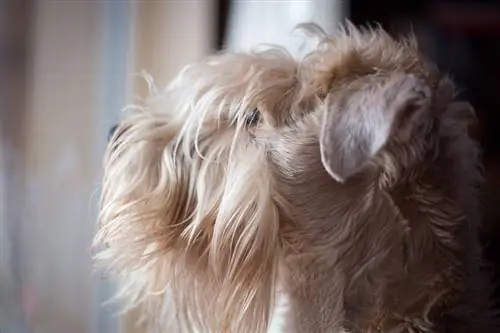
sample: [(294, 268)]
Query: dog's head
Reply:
[(193, 202)]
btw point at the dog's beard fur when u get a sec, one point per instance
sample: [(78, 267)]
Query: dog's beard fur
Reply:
[(357, 171)]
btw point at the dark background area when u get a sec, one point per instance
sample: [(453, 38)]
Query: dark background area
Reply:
[(463, 38)]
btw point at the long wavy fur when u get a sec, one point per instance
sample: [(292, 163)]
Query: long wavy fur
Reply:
[(187, 199), (192, 208)]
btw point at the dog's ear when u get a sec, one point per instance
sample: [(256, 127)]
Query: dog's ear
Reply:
[(359, 120)]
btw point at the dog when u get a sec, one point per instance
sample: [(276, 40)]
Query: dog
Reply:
[(345, 180)]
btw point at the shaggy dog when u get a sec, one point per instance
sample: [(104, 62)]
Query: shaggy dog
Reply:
[(345, 180)]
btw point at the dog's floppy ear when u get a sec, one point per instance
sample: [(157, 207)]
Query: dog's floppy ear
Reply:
[(359, 119)]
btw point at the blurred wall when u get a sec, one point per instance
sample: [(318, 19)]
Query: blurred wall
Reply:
[(65, 131), (15, 27), (169, 35)]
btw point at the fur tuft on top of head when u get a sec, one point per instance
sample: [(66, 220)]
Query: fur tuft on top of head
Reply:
[(356, 51)]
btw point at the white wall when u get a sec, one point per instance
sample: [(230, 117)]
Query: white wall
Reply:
[(272, 22)]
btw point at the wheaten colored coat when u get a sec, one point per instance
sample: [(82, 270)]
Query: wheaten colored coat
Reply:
[(347, 178)]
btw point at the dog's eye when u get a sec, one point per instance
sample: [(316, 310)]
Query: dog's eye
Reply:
[(253, 118), (111, 132)]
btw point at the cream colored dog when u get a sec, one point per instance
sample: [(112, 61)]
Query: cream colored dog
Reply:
[(347, 178)]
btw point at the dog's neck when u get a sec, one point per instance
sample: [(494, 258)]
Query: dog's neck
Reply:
[(347, 260)]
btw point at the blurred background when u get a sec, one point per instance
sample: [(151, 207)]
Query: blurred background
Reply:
[(68, 66)]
